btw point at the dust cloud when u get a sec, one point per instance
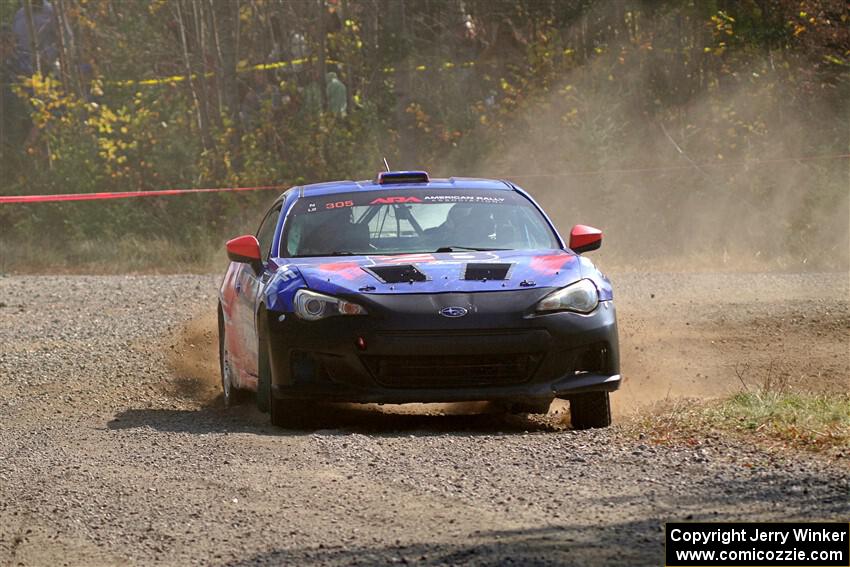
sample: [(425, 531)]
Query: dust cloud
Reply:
[(707, 184), (692, 339), (192, 356)]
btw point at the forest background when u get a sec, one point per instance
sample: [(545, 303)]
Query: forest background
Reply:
[(704, 135)]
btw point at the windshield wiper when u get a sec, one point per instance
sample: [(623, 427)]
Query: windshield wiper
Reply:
[(453, 248)]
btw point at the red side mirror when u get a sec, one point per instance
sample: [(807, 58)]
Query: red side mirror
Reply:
[(585, 238), (244, 249)]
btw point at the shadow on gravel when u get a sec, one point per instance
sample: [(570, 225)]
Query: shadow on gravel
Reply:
[(630, 543), (329, 420), (634, 542)]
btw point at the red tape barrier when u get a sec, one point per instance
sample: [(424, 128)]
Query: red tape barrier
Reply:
[(125, 194)]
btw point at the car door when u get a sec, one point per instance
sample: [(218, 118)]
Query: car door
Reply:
[(248, 286)]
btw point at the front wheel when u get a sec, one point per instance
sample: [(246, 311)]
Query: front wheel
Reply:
[(590, 410), (295, 414), (264, 373)]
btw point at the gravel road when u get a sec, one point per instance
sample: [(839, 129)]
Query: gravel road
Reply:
[(114, 448)]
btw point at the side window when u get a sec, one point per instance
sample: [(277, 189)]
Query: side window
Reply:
[(265, 234)]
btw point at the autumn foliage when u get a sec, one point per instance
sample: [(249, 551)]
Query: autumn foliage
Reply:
[(633, 114)]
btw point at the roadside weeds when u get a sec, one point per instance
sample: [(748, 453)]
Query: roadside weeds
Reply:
[(813, 422)]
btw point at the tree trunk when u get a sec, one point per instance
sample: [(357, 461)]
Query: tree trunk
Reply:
[(321, 41), (202, 125), (35, 57), (349, 76), (226, 16), (68, 53)]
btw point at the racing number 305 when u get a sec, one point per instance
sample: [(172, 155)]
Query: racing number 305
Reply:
[(339, 204)]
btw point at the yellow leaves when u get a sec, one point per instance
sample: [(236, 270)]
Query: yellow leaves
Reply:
[(47, 100), (722, 24), (835, 60), (155, 6), (506, 87)]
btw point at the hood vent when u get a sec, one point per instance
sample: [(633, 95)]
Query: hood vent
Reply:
[(403, 273), (487, 271)]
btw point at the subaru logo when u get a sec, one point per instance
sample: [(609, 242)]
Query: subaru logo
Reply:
[(453, 312)]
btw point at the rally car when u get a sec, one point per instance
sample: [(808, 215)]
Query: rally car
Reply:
[(410, 289)]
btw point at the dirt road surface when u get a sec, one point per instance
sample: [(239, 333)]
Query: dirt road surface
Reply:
[(114, 448)]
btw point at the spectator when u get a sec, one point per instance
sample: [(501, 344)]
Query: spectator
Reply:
[(263, 99), (337, 95), (46, 38), (311, 96)]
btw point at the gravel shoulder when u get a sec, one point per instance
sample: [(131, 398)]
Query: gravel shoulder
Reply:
[(114, 448)]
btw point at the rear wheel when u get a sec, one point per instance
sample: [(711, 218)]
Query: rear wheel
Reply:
[(230, 393), (590, 410)]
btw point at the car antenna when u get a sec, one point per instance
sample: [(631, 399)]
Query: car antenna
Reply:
[(387, 165)]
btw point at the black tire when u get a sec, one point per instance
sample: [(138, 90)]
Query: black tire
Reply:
[(590, 410), (292, 414), (264, 369), (231, 394)]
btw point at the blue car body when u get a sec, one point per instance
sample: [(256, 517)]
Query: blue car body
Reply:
[(266, 348)]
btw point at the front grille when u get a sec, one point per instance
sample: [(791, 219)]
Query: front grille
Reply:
[(455, 371)]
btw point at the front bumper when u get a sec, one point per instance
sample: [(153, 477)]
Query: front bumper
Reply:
[(500, 350)]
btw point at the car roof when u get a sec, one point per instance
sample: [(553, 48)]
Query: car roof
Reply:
[(464, 183)]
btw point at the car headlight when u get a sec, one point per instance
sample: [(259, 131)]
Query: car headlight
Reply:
[(313, 306), (581, 297)]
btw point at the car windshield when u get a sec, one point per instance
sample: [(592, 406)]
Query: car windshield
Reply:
[(405, 221)]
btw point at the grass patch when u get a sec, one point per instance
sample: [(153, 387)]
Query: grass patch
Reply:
[(128, 255), (812, 421)]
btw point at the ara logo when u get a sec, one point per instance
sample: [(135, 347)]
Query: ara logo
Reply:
[(453, 311), (395, 200)]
